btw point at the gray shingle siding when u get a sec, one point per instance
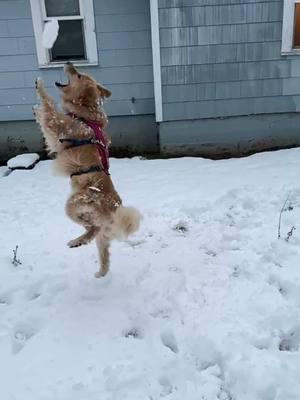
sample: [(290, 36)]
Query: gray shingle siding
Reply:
[(222, 58), (125, 58), (192, 3)]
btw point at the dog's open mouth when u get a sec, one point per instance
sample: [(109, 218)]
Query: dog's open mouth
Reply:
[(62, 85)]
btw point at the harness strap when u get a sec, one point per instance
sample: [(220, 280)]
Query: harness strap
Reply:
[(75, 142), (96, 168), (100, 141)]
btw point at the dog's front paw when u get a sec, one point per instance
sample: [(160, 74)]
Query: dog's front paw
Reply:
[(38, 83), (75, 243), (34, 110), (100, 274)]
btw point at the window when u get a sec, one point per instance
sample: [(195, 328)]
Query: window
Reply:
[(291, 27), (76, 40)]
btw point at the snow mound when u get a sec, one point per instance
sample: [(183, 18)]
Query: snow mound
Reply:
[(50, 33), (3, 171), (202, 303), (23, 161)]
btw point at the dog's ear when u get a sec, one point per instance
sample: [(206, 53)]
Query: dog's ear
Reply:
[(87, 96), (103, 91)]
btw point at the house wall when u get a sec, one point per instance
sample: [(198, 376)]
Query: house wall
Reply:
[(222, 59), (231, 136), (125, 67)]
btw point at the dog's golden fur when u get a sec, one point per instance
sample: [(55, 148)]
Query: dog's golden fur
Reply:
[(94, 202)]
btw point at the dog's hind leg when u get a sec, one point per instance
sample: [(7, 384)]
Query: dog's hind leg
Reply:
[(81, 209), (86, 238), (103, 244)]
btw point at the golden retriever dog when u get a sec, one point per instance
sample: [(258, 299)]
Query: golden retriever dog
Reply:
[(77, 138)]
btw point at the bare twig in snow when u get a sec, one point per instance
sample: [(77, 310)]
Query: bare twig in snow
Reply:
[(280, 214), (15, 260), (290, 233)]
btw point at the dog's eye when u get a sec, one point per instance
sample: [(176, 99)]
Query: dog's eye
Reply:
[(78, 76)]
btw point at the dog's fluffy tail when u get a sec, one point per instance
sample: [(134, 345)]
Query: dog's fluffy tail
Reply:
[(126, 221)]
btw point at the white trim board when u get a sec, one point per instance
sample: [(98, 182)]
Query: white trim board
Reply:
[(156, 60)]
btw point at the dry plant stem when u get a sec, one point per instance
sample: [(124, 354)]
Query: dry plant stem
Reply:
[(15, 260), (281, 211)]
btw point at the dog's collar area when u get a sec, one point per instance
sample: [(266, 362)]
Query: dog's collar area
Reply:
[(95, 168)]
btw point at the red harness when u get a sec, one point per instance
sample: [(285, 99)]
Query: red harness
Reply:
[(102, 144), (99, 140)]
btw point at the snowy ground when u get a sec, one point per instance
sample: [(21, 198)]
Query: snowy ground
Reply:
[(202, 304)]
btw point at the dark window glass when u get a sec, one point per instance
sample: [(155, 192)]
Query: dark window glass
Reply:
[(62, 8), (297, 26), (69, 44)]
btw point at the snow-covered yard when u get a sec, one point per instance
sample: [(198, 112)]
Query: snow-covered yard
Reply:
[(201, 304)]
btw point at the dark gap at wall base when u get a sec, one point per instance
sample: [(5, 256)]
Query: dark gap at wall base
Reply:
[(216, 138), (219, 138), (131, 135)]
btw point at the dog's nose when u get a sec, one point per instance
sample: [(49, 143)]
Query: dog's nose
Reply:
[(69, 68)]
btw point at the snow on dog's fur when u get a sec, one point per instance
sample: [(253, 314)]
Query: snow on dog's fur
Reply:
[(94, 202)]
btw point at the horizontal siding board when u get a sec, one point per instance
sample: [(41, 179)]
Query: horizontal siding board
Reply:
[(104, 7), (182, 93), (228, 90), (195, 36), (132, 90), (3, 28), (26, 45), (124, 40), (125, 57), (49, 77), (233, 107), (191, 55), (8, 46), (113, 108), (10, 80), (107, 76), (291, 86), (295, 67), (231, 90), (22, 88), (122, 22), (197, 3), (221, 15), (260, 88), (14, 46), (21, 96), (15, 113), (119, 92), (26, 62), (16, 28), (12, 9), (258, 51), (126, 107), (225, 72), (117, 75)]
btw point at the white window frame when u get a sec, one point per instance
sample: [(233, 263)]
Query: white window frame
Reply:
[(39, 18), (288, 27)]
